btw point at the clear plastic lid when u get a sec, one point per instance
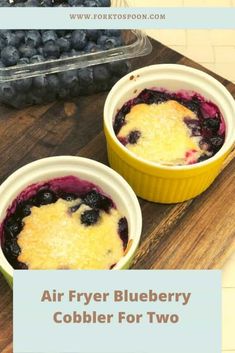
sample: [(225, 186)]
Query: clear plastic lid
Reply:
[(136, 43)]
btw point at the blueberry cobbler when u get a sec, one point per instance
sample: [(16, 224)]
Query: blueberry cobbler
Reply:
[(66, 223), (170, 128)]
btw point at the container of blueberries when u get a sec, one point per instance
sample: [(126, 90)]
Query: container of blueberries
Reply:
[(40, 66)]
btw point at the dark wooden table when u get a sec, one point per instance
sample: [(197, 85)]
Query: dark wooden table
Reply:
[(197, 234)]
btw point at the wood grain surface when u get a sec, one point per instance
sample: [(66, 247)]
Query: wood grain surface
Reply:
[(197, 234)]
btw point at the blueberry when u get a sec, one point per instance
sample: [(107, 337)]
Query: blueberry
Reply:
[(48, 3), (53, 82), (12, 248), (1, 64), (24, 209), (2, 43), (112, 42), (75, 91), (51, 50), (23, 61), (33, 38), (109, 42), (20, 4), (63, 92), (40, 82), (19, 101), (152, 96), (91, 47), (134, 137), (23, 85), (95, 200), (64, 44), (11, 39), (2, 32), (194, 126), (90, 217), (217, 142), (86, 76), (49, 36), (4, 3), (61, 32), (27, 51), (101, 73), (123, 231), (73, 3), (20, 34), (22, 266), (74, 52), (40, 51), (212, 124), (69, 78), (105, 3), (91, 3), (10, 56), (36, 59), (120, 68), (12, 227), (93, 34), (7, 90), (102, 39), (79, 39), (46, 197), (119, 121), (68, 35), (192, 105), (32, 3), (35, 97), (112, 32)]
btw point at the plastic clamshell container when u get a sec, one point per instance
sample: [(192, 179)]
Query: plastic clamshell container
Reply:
[(153, 181), (134, 43), (53, 167)]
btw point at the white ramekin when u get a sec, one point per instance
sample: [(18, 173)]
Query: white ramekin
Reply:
[(153, 181), (104, 177)]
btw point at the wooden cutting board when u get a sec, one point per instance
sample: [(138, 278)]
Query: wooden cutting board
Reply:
[(197, 234)]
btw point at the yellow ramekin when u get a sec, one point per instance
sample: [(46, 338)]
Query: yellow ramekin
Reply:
[(153, 181)]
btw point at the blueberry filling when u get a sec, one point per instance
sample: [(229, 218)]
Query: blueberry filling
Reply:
[(208, 125), (41, 195), (134, 136), (123, 231), (46, 197)]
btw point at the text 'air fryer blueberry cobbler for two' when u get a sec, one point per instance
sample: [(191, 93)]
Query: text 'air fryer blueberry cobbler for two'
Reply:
[(65, 223)]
